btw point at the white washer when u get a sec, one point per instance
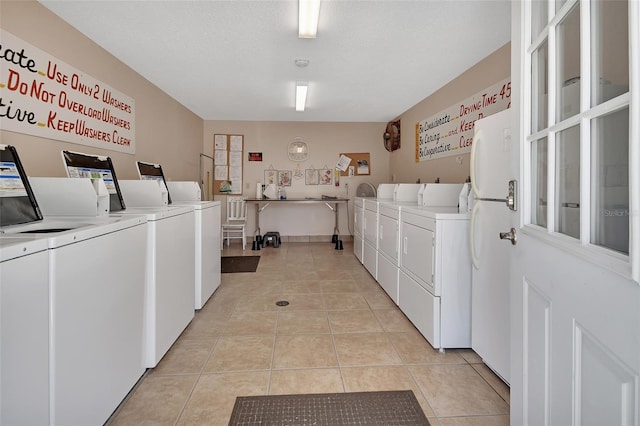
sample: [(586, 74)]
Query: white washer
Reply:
[(94, 292), (170, 276), (207, 228), (87, 305), (24, 345), (207, 238), (169, 280)]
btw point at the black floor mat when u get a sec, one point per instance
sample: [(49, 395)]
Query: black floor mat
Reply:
[(232, 264), (334, 409)]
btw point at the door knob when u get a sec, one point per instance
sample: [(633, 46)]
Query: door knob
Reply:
[(511, 235)]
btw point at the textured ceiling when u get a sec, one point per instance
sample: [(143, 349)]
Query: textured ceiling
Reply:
[(234, 59)]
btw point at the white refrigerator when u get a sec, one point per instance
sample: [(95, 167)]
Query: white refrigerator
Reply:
[(490, 176)]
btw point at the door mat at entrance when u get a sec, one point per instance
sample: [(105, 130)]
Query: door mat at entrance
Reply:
[(232, 264), (335, 409)]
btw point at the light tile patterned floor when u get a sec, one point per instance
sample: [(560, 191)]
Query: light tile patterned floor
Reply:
[(340, 333)]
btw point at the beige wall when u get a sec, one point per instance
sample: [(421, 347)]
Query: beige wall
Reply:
[(326, 141), (403, 167), (166, 132)]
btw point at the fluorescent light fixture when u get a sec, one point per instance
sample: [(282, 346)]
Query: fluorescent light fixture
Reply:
[(308, 14), (301, 95)]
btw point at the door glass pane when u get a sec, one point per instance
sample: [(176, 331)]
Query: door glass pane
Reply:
[(569, 65), (539, 17), (539, 182), (559, 4), (610, 181), (539, 77), (567, 210), (610, 49)]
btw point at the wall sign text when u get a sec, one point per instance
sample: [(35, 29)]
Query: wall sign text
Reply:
[(45, 97), (450, 132)]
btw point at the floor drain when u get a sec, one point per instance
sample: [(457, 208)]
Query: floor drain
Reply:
[(282, 303)]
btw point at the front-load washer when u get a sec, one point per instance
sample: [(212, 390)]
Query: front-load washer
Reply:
[(91, 328)]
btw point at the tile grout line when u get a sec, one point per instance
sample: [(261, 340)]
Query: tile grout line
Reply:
[(273, 354), (250, 288), (406, 368), (204, 365)]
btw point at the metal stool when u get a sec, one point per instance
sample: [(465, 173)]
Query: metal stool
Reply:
[(271, 237)]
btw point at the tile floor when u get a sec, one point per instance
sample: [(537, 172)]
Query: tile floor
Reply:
[(340, 333)]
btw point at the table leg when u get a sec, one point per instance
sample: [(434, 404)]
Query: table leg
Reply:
[(257, 231)]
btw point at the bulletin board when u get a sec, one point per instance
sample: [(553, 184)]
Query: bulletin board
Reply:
[(228, 153), (360, 164)]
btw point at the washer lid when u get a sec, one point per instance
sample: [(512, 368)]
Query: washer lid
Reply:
[(17, 203)]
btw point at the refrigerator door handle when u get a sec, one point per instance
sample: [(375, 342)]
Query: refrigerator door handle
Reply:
[(512, 196), (477, 137), (472, 242)]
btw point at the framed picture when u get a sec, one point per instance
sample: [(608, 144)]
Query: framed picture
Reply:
[(270, 177), (311, 177), (325, 176), (284, 177)]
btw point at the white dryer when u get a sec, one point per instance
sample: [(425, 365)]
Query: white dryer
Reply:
[(389, 213)]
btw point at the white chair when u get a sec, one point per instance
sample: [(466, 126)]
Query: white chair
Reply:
[(235, 226)]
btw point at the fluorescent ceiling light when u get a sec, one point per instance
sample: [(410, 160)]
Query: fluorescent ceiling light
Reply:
[(308, 14), (301, 95)]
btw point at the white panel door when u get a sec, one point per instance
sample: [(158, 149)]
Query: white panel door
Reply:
[(575, 296)]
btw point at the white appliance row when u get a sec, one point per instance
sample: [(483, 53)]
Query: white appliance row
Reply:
[(399, 193), (207, 238), (88, 302), (207, 221), (169, 279), (207, 226), (72, 341), (418, 252)]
